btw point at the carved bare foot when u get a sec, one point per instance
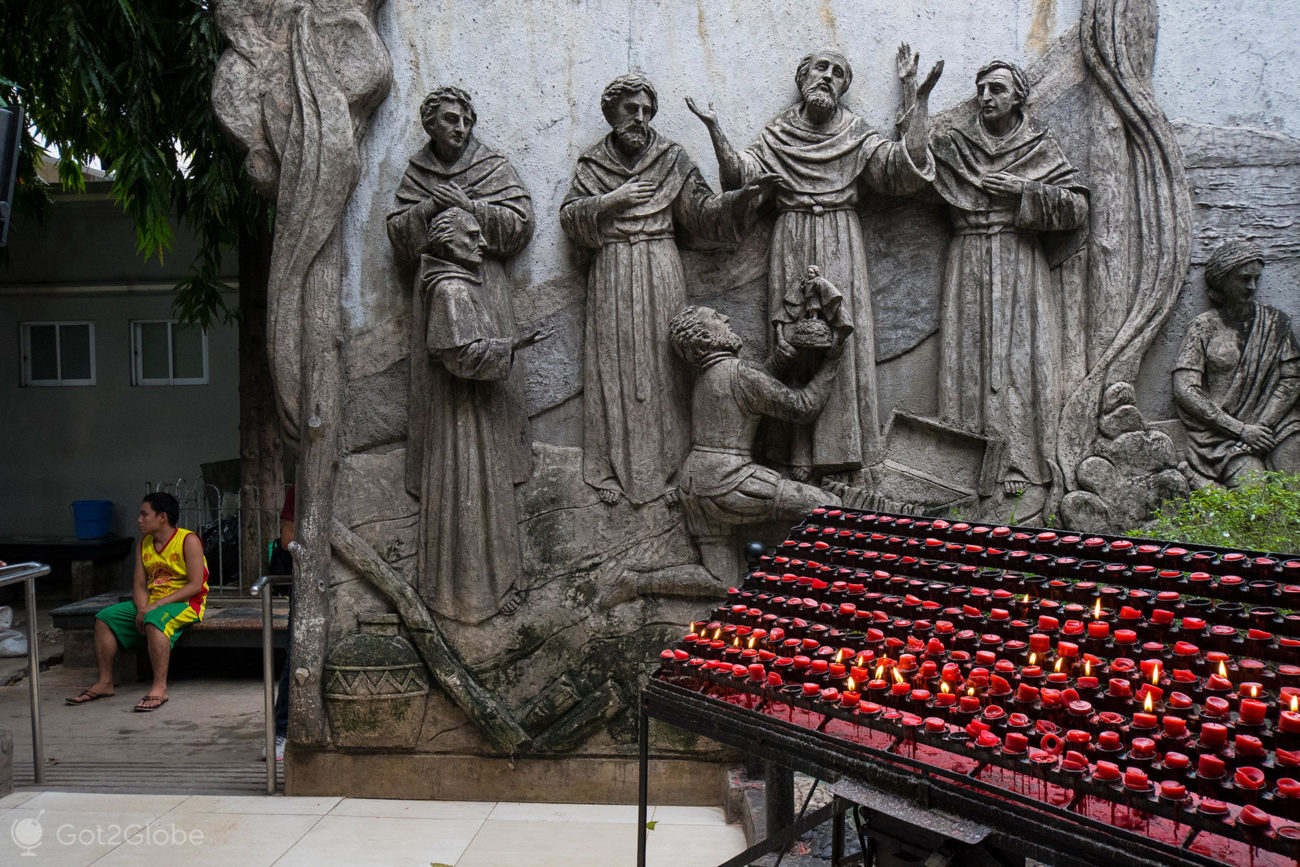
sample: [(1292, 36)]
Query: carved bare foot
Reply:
[(1014, 487), (672, 496), (513, 602), (624, 589), (801, 474), (608, 496)]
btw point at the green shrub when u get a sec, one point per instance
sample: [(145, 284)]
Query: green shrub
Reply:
[(1263, 514)]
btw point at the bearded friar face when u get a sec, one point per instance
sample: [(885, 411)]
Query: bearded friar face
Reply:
[(823, 78), (631, 123)]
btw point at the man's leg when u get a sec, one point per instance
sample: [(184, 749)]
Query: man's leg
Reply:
[(114, 625), (160, 652), (105, 653)]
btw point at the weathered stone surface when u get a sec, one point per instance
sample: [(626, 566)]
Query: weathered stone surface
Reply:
[(6, 761), (1122, 420), (374, 409), (1100, 477)]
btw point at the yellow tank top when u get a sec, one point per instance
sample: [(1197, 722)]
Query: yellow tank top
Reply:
[(165, 570)]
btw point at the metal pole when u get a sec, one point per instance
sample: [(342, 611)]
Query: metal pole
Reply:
[(643, 783), (34, 681), (263, 587)]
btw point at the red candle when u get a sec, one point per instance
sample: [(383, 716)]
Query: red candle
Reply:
[(1142, 748), (970, 703), (1087, 682), (945, 699), (1048, 624), (1213, 735), (1289, 722), (1136, 780), (902, 688), (1176, 761), (1218, 683), (1120, 688), (1144, 720), (1106, 772), (810, 689), (849, 699), (1252, 712), (1125, 636), (1151, 670), (1173, 791), (1109, 740), (1209, 767), (1031, 671), (757, 672), (934, 725), (1026, 693), (1016, 743), (1288, 787), (1180, 701), (1067, 649), (1254, 817), (1175, 727), (1099, 629), (1039, 643)]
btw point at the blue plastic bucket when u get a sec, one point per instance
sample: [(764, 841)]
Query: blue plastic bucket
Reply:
[(92, 517)]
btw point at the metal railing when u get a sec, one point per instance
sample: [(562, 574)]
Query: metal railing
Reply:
[(28, 573), (262, 587), (253, 515)]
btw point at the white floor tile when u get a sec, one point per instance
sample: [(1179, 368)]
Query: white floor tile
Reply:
[(509, 811), (668, 815), (87, 802), (220, 840), (65, 837), (691, 846), (402, 809), (258, 805), (383, 842), (16, 799), (552, 843)]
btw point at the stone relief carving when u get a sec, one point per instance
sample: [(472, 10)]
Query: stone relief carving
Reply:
[(722, 485), (1237, 377), (472, 453), (457, 170), (1010, 190), (296, 88), (1132, 469), (633, 193), (823, 153)]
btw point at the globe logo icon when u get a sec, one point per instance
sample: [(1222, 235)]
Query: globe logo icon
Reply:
[(26, 833)]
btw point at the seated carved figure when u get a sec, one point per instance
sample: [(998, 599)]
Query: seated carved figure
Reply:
[(1237, 377)]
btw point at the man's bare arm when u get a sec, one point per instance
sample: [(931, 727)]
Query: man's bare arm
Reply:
[(193, 552)]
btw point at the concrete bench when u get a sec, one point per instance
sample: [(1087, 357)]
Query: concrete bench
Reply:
[(227, 624), (92, 564)]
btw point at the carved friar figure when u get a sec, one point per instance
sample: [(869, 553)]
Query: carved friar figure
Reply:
[(468, 538), (456, 170), (1237, 377), (1006, 183), (824, 154), (633, 194), (722, 485)]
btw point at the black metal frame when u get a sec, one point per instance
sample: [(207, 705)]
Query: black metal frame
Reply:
[(1059, 837)]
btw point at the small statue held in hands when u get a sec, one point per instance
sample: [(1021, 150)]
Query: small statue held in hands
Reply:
[(821, 321)]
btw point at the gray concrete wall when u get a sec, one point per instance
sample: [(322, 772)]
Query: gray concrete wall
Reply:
[(59, 444)]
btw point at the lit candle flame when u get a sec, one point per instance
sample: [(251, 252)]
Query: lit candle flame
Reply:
[(751, 641), (1096, 609), (1148, 704), (1295, 702), (839, 655), (898, 678), (943, 688), (1155, 674), (1058, 664), (1033, 659), (1087, 668), (970, 691), (1223, 668), (1254, 691), (735, 642), (848, 685), (1026, 599), (862, 657), (717, 633), (693, 627), (880, 671)]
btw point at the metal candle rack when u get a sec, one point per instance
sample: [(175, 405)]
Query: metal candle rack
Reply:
[(1147, 674)]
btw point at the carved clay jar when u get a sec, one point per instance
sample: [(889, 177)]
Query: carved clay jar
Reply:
[(374, 687)]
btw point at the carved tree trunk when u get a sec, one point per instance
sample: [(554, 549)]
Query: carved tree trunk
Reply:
[(261, 446)]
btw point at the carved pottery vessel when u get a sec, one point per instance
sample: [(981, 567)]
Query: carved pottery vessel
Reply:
[(374, 687)]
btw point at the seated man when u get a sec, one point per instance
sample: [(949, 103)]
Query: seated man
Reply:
[(169, 592)]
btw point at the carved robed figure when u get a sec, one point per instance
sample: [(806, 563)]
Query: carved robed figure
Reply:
[(455, 169), (825, 156), (634, 194), (1237, 377), (1008, 186)]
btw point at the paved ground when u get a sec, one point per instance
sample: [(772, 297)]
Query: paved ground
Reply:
[(110, 797)]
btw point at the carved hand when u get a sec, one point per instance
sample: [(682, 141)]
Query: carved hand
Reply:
[(784, 349), (450, 196), (1004, 184), (633, 192), (536, 336), (707, 115), (931, 79), (1259, 438), (905, 63), (761, 186)]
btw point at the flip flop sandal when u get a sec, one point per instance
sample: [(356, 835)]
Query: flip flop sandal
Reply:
[(87, 696), (150, 703)]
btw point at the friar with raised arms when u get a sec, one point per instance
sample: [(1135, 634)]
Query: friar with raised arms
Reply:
[(824, 154), (634, 196)]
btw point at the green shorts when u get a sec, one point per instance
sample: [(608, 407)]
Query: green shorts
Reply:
[(170, 619)]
